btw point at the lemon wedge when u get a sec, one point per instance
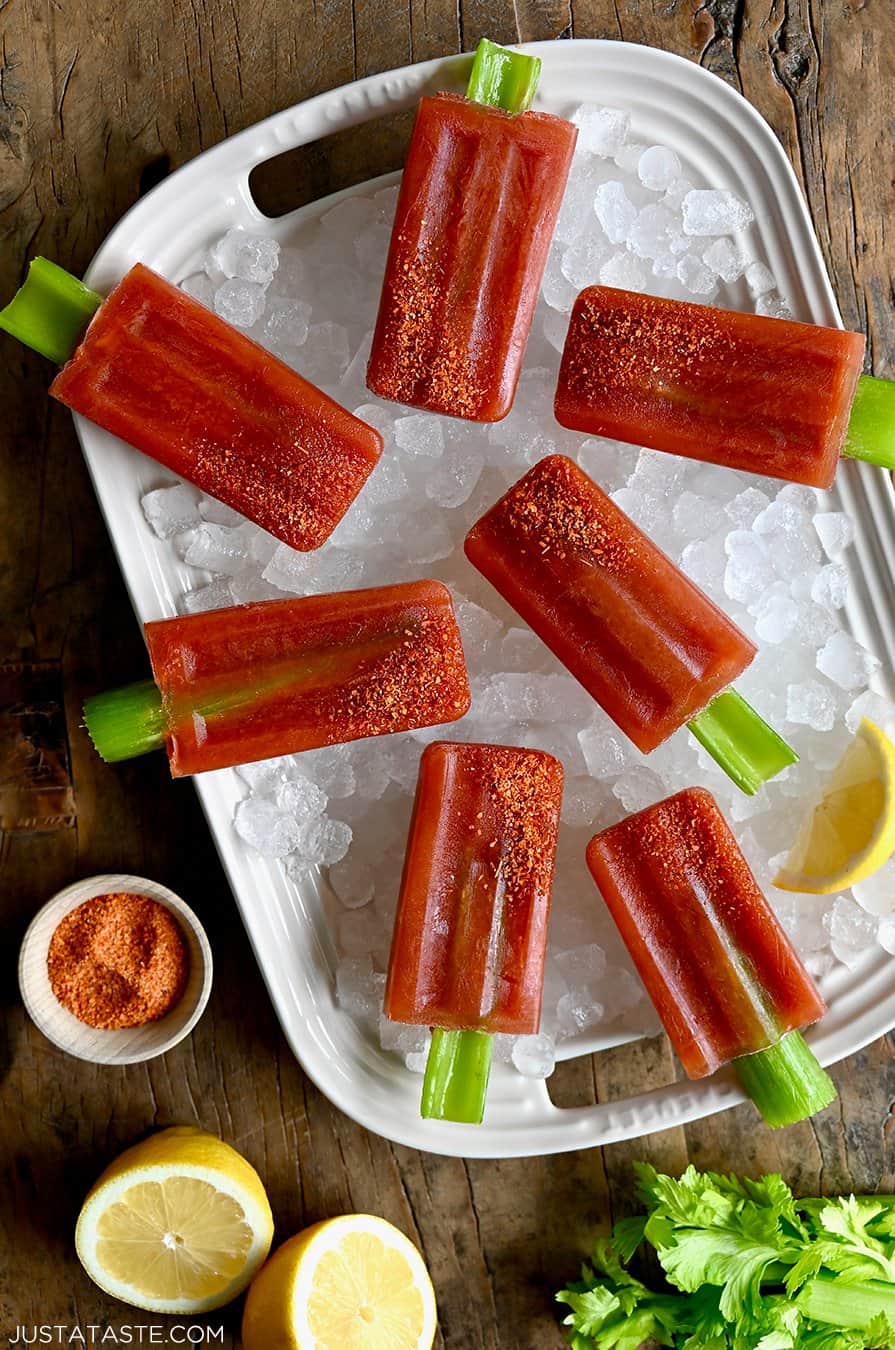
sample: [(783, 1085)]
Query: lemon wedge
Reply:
[(177, 1224), (352, 1283), (851, 831)]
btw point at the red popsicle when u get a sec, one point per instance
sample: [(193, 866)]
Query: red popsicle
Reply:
[(644, 641), (172, 379), (471, 928), (768, 395), (722, 973), (479, 199), (272, 678)]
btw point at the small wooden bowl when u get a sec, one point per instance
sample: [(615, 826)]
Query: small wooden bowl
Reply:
[(133, 1044)]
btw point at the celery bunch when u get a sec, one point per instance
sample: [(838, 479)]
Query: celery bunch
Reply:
[(747, 1266)]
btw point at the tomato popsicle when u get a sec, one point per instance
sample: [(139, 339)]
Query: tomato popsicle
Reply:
[(479, 199), (715, 961), (768, 395), (275, 677), (152, 365), (467, 956), (645, 642)]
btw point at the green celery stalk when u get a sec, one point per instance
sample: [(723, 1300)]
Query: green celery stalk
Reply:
[(456, 1079), (841, 1304), (51, 311), (785, 1081), (502, 78), (127, 722), (871, 427), (747, 749)]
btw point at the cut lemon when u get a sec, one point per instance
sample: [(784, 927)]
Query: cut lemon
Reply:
[(851, 832), (177, 1224), (353, 1283)]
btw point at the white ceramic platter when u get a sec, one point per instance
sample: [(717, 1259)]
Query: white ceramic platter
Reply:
[(722, 141)]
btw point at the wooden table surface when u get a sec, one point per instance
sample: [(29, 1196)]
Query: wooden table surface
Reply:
[(98, 101)]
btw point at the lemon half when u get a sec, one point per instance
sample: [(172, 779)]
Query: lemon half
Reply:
[(352, 1283), (177, 1224), (851, 831)]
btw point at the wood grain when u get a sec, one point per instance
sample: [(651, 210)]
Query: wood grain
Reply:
[(97, 103)]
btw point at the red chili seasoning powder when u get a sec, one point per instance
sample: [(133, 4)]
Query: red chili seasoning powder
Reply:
[(118, 961)]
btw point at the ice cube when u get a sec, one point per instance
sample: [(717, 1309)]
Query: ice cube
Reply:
[(218, 512), (776, 615), (534, 1056), (219, 548), (290, 570), (697, 517), (800, 495), (658, 167), (521, 650), (759, 278), (606, 752), (746, 506), (331, 769), (406, 1040), (829, 586), (715, 211), (169, 510), (248, 257), (240, 302), (264, 775), (352, 879), (676, 192), (772, 307), (835, 531), (601, 131), (325, 354), (705, 562), (420, 434), (323, 841), (216, 595), (885, 934), (625, 271), (811, 704), (371, 774), (361, 932), (844, 661), (749, 570), (615, 211), (695, 277), (248, 587), (585, 802), (575, 1013), (262, 824), (724, 259), (876, 893), (874, 707), (286, 323), (301, 798), (557, 290), (292, 278), (852, 930), (582, 260), (654, 232), (451, 481), (359, 988), (638, 787), (478, 626), (200, 287)]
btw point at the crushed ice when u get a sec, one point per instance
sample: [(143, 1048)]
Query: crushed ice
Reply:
[(772, 555)]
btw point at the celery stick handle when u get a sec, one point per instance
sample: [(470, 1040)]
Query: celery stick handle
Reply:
[(51, 311), (502, 78), (871, 428), (747, 749)]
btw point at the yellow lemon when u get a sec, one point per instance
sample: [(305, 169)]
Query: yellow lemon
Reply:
[(177, 1224), (353, 1283), (851, 832)]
